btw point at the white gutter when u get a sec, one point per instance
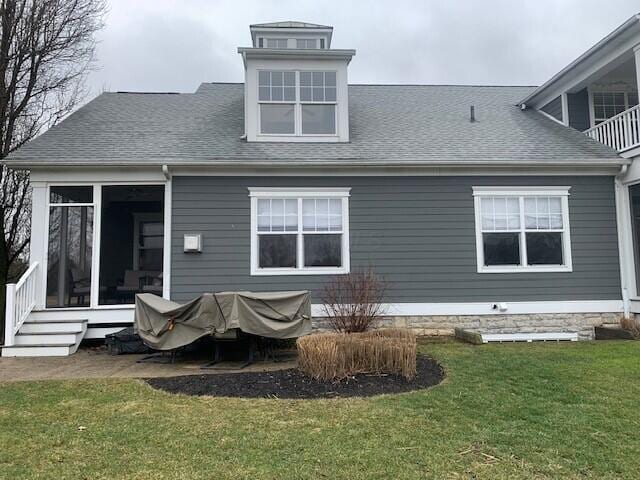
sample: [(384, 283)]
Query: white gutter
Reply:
[(166, 172)]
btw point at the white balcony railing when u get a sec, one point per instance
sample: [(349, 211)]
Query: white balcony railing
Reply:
[(20, 300), (621, 132)]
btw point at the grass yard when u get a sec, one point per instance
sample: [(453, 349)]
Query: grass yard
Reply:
[(505, 411)]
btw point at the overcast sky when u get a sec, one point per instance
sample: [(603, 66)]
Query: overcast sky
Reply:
[(173, 45)]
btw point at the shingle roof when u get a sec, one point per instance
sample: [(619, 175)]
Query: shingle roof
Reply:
[(389, 124)]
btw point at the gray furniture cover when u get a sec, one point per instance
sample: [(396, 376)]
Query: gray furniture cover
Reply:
[(165, 325)]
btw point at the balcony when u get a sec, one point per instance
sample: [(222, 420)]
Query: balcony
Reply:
[(621, 132)]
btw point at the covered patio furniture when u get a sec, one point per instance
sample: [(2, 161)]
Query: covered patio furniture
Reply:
[(167, 325)]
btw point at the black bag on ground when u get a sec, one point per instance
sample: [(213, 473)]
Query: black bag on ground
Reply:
[(125, 341)]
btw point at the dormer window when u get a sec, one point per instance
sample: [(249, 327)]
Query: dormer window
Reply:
[(277, 42), (306, 43), (297, 103)]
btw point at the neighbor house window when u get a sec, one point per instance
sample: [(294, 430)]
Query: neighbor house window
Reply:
[(610, 104), (522, 229), (297, 103), (299, 231)]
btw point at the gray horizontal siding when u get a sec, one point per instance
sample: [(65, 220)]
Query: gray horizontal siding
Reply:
[(578, 105), (554, 108), (418, 232)]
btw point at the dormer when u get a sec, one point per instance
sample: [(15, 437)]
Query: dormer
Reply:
[(296, 87)]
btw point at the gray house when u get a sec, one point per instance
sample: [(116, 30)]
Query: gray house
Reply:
[(511, 209)]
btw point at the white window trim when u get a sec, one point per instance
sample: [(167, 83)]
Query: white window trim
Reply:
[(297, 107), (521, 193), (300, 193)]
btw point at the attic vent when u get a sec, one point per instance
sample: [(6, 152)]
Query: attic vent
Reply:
[(472, 114)]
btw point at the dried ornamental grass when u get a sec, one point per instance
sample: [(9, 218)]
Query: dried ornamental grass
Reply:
[(334, 356)]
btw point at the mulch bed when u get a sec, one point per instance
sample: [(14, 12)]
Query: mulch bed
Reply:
[(291, 383)]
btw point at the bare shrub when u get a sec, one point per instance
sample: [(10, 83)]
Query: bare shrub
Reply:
[(334, 356), (353, 302)]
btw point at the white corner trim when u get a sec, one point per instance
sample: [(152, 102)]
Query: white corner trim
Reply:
[(284, 192), (486, 308), (520, 191)]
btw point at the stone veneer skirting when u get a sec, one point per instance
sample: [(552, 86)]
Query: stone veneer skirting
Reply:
[(423, 325)]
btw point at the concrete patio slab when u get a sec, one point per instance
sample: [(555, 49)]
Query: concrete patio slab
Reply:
[(97, 363)]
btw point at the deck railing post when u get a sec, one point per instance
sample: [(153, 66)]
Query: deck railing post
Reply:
[(10, 315)]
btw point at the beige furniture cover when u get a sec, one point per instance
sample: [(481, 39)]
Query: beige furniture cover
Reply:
[(165, 325)]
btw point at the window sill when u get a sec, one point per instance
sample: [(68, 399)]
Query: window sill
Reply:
[(300, 271), (549, 269)]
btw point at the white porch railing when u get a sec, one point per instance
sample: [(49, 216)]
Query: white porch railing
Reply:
[(20, 300), (621, 132)]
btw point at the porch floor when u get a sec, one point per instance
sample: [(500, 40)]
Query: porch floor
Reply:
[(95, 362)]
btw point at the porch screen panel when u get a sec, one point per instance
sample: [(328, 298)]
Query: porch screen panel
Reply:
[(131, 242), (70, 252)]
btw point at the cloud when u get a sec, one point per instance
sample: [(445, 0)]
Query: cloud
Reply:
[(164, 45)]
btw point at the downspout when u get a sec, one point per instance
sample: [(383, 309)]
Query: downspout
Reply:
[(621, 211), (166, 246)]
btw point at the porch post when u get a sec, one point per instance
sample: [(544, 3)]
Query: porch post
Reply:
[(636, 54), (565, 108), (39, 239)]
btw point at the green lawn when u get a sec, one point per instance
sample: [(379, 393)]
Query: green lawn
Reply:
[(504, 411)]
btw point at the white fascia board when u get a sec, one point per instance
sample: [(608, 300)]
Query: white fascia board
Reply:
[(227, 162), (97, 174), (621, 40), (487, 308), (295, 53)]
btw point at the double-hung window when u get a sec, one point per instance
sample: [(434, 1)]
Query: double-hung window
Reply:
[(522, 229), (299, 103), (610, 104), (299, 231)]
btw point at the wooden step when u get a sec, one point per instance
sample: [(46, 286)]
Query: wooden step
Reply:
[(44, 350)]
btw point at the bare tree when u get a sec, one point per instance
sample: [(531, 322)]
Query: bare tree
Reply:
[(47, 48), (353, 302)]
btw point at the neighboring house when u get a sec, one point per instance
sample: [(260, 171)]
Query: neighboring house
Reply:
[(506, 221)]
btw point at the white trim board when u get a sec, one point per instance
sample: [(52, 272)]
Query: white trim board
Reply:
[(125, 314), (486, 308)]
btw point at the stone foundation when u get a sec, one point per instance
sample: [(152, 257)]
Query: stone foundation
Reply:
[(582, 323)]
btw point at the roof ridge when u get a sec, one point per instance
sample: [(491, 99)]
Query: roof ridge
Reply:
[(398, 85), (130, 92)]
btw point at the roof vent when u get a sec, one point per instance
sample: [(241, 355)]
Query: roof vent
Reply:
[(472, 114)]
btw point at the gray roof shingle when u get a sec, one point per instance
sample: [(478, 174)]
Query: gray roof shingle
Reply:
[(389, 124)]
